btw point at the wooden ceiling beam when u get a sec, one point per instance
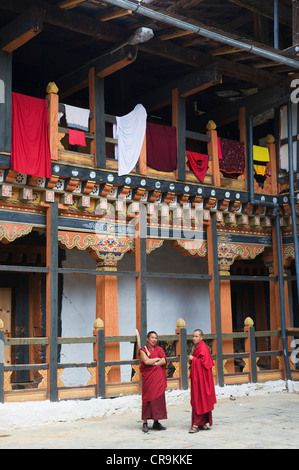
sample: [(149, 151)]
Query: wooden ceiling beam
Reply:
[(104, 66), (114, 34), (194, 58), (21, 29), (113, 13), (67, 4)]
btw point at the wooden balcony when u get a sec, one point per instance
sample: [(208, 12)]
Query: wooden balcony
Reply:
[(87, 156)]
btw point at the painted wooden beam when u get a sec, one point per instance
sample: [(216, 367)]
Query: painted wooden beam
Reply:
[(104, 65), (21, 29)]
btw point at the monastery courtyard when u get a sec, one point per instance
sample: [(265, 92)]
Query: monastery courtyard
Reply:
[(248, 422)]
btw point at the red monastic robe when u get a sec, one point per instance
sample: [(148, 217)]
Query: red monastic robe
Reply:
[(154, 379), (203, 395)]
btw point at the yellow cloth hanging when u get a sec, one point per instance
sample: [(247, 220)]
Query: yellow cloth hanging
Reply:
[(260, 169), (261, 154)]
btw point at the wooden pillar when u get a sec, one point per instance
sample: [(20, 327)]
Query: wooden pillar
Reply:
[(140, 267), (260, 316), (107, 310), (35, 320), (273, 167), (179, 122), (215, 303), (5, 101), (213, 152), (97, 124), (53, 101), (52, 298), (226, 314), (142, 166)]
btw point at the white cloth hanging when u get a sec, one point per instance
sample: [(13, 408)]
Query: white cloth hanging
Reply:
[(77, 117), (130, 132)]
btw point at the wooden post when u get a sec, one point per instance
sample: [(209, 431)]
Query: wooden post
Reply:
[(52, 298), (53, 124), (140, 266), (97, 125), (273, 167), (142, 166), (107, 309), (215, 307), (179, 122), (250, 348), (213, 152), (226, 316), (1, 363), (99, 356), (181, 350)]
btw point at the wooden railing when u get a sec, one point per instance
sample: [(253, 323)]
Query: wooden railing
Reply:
[(99, 385), (87, 156)]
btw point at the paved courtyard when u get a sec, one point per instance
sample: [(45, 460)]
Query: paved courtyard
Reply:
[(249, 422)]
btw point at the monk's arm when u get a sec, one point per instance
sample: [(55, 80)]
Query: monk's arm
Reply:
[(161, 361), (147, 360)]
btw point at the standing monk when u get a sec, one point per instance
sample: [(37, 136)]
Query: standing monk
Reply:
[(154, 381), (203, 395)]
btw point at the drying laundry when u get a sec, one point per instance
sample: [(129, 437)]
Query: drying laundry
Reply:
[(260, 154), (232, 163), (161, 147), (260, 172), (198, 163), (77, 138), (219, 149), (130, 132), (77, 117), (30, 148)]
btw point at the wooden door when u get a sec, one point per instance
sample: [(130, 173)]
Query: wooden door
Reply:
[(5, 315)]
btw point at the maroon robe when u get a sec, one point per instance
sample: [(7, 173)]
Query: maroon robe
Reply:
[(154, 382), (203, 395)]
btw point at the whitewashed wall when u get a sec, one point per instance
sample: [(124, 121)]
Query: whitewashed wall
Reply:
[(167, 300)]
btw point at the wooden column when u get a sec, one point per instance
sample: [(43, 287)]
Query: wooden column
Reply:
[(52, 298), (179, 122), (142, 166), (226, 314), (140, 266), (53, 101), (97, 125), (273, 167), (5, 101), (214, 290), (35, 320), (213, 152), (107, 310)]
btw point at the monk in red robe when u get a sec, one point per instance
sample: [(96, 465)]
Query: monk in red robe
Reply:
[(203, 395), (154, 381)]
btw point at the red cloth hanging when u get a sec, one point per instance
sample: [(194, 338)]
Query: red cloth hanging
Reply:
[(77, 138), (198, 163), (161, 147), (30, 148)]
